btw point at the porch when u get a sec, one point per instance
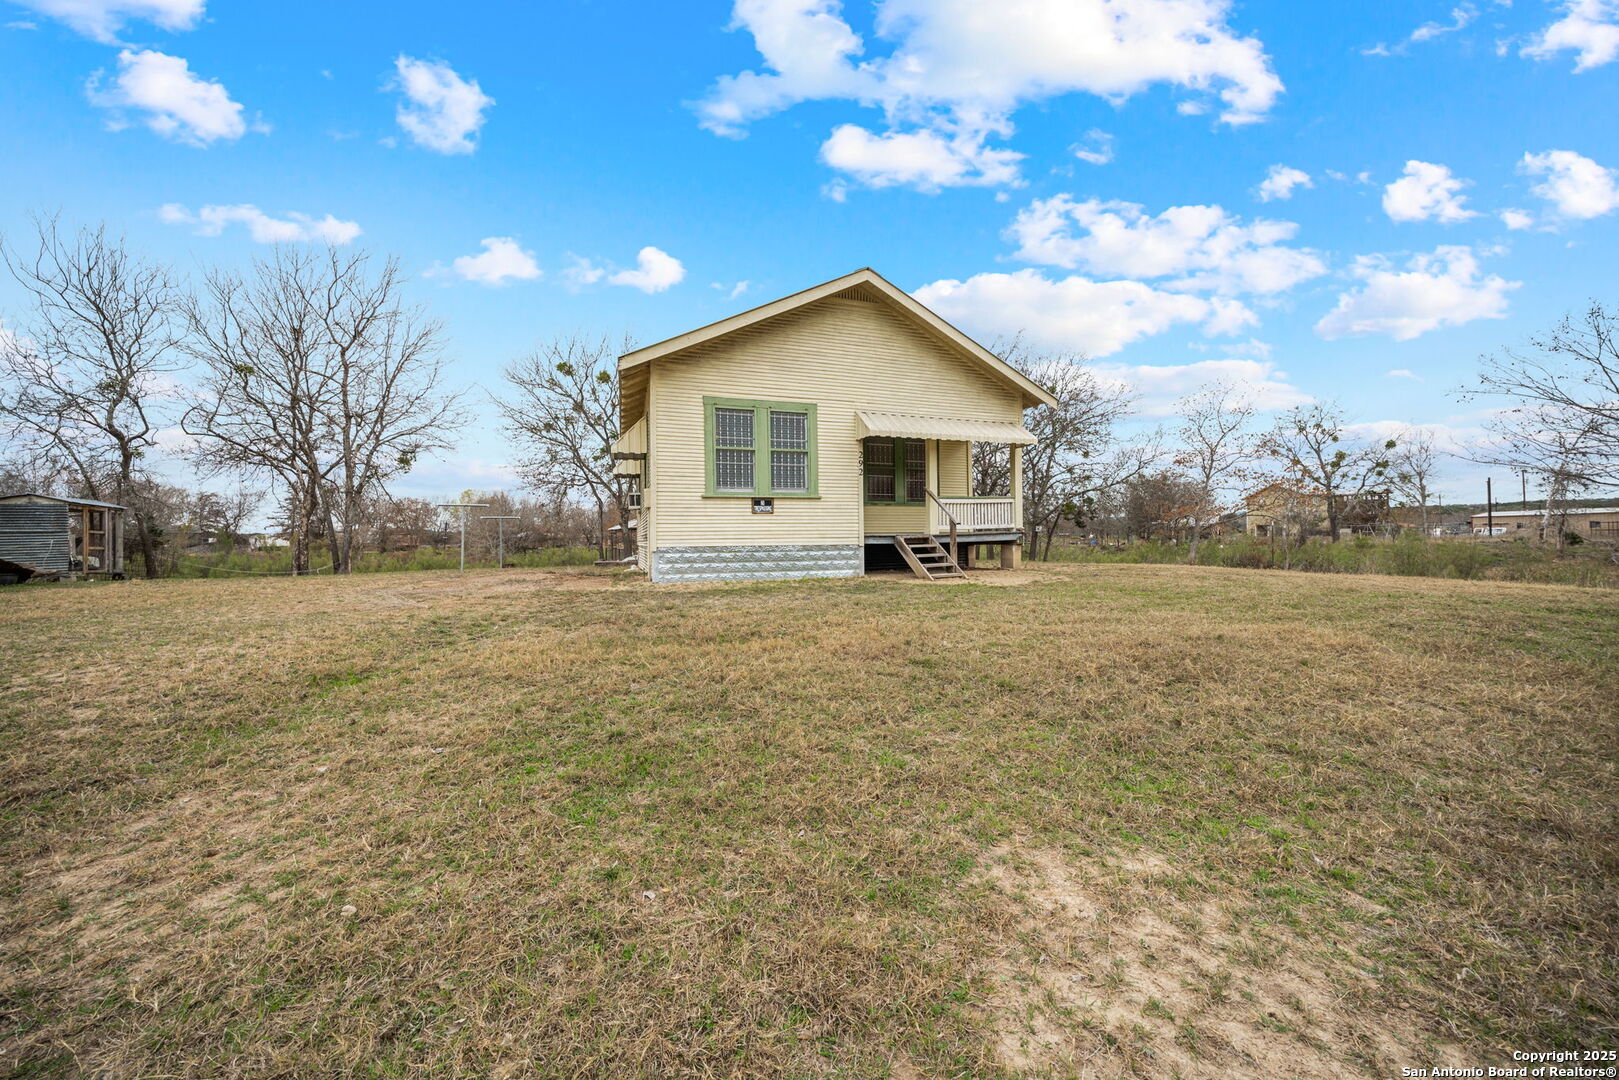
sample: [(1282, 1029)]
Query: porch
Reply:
[(918, 479)]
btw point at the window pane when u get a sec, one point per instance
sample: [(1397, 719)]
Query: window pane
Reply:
[(789, 431), (789, 470), (916, 470), (879, 454), (733, 470), (733, 427), (880, 486)]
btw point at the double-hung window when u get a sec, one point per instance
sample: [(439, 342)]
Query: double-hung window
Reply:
[(896, 471), (760, 448)]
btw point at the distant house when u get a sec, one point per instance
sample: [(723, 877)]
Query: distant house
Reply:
[(1283, 511), (820, 435), (1598, 524), (43, 535), (1278, 511)]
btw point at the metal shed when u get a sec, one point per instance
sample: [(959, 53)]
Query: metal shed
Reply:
[(49, 536)]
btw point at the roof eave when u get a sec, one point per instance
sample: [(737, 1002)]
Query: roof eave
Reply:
[(1033, 393)]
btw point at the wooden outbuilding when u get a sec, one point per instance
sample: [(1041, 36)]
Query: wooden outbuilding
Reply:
[(48, 536)]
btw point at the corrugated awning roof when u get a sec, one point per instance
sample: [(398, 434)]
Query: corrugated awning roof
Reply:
[(907, 426)]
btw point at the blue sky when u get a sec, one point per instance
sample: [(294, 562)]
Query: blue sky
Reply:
[(1092, 172)]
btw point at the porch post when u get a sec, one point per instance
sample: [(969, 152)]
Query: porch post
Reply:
[(1017, 486), (931, 459)]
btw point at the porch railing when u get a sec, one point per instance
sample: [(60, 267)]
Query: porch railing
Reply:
[(988, 514)]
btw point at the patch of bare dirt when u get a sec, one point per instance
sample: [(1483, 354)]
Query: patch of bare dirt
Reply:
[(1106, 978)]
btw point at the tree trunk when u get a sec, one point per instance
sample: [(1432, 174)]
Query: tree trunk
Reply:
[(333, 551), (300, 538)]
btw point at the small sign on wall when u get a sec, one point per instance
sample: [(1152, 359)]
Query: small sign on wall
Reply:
[(764, 506)]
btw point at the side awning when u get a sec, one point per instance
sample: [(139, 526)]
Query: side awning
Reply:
[(629, 450), (631, 444), (908, 426)]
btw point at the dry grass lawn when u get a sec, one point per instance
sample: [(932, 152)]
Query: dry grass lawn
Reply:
[(1114, 821)]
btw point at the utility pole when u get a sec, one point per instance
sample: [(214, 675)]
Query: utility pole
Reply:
[(1523, 477), (500, 560), (463, 507), (1489, 508)]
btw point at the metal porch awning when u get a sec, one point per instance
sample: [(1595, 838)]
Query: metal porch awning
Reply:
[(908, 426)]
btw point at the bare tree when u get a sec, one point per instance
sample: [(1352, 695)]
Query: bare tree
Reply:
[(1161, 504), (1412, 467), (1562, 419), (1315, 454), (1215, 445), (223, 516), (564, 417), (84, 381), (1076, 456), (316, 374)]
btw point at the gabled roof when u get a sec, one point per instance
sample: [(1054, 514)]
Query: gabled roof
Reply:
[(901, 300)]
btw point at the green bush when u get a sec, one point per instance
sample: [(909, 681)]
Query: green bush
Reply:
[(1409, 555), (279, 561)]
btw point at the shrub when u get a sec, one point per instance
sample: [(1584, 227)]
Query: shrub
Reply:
[(1409, 555)]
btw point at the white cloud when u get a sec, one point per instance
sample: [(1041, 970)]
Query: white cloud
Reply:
[(1460, 17), (1434, 290), (294, 228), (655, 271), (1200, 247), (1427, 192), (441, 111), (1094, 317), (177, 104), (922, 159), (581, 271), (731, 291), (103, 19), (1280, 181), (502, 260), (1402, 373), (1577, 186), (959, 69), (1589, 28), (1161, 388), (1096, 149), (1517, 219)]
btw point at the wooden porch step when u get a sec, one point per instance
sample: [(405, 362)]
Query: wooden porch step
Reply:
[(927, 558)]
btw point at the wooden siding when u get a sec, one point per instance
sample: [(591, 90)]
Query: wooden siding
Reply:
[(843, 355), (954, 476), (895, 519)]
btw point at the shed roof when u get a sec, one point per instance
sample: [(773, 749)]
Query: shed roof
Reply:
[(865, 278), (1576, 511), (59, 499)]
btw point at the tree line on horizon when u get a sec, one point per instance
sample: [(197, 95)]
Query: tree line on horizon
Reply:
[(308, 383)]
